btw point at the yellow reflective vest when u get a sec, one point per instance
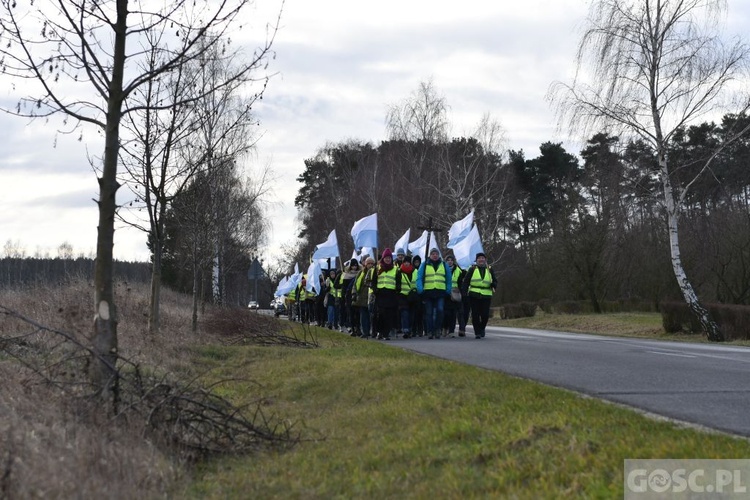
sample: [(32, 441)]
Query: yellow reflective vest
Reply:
[(434, 279), (480, 285), (387, 279)]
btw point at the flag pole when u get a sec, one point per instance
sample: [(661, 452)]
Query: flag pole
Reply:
[(430, 229)]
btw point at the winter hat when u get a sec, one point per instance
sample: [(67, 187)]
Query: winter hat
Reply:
[(480, 254), (400, 251), (369, 260), (434, 249), (387, 253)]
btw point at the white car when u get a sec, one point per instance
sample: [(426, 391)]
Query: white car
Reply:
[(253, 305)]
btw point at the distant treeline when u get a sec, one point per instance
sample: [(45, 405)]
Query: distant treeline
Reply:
[(18, 271)]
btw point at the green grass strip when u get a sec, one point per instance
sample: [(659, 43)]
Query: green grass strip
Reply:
[(380, 422)]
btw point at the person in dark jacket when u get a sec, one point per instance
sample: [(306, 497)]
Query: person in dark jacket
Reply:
[(480, 283), (385, 286), (416, 308), (454, 311), (349, 321)]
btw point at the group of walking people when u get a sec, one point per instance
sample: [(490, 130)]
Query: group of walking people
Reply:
[(400, 295)]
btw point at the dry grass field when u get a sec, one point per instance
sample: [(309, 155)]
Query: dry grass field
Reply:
[(57, 441)]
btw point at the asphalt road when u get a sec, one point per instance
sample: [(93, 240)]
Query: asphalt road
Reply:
[(702, 384)]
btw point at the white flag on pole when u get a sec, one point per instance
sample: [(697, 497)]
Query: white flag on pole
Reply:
[(365, 232), (434, 244), (466, 249), (313, 277), (417, 247), (282, 282), (328, 249), (403, 242), (460, 230), (289, 284)]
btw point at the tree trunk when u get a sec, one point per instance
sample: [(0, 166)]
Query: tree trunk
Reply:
[(104, 341), (196, 288), (710, 328), (154, 317), (216, 276)]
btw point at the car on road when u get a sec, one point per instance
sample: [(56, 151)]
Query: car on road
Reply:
[(253, 304), (278, 307)]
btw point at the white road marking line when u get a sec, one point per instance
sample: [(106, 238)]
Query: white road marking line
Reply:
[(673, 354)]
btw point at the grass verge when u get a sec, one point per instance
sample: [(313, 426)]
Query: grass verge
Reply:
[(379, 422), (641, 325)]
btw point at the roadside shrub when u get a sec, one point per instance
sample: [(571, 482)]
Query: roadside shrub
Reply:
[(521, 310), (511, 311), (675, 317), (734, 320), (529, 309), (546, 306)]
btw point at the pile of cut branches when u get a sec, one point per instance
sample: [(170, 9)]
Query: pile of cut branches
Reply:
[(240, 326), (185, 417)]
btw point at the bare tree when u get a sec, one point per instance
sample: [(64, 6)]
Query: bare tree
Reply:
[(420, 122), (83, 59), (154, 132), (170, 142), (65, 251), (649, 68), (14, 249), (224, 135)]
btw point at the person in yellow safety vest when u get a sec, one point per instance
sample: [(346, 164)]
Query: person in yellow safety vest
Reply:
[(404, 307), (346, 279), (290, 305), (434, 283), (480, 283), (454, 308), (416, 308), (318, 303), (306, 301), (361, 294), (299, 296), (386, 284), (332, 300)]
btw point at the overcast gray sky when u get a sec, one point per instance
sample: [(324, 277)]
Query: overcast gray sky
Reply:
[(338, 65)]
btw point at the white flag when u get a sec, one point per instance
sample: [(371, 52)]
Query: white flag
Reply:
[(313, 277), (417, 247), (282, 283), (365, 232), (403, 242), (460, 230), (295, 278), (289, 284), (466, 250), (328, 249), (433, 244)]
